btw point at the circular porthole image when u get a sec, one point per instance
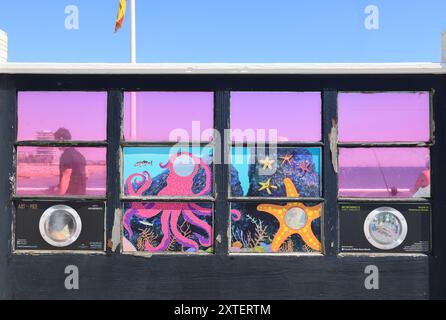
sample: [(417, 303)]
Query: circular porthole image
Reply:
[(60, 225), (385, 228)]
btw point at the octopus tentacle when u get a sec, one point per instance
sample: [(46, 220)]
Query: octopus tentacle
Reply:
[(142, 185), (166, 234), (190, 217), (185, 242), (200, 211), (140, 211), (235, 215)]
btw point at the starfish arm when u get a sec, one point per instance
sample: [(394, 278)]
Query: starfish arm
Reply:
[(291, 190), (278, 240), (275, 210), (309, 238)]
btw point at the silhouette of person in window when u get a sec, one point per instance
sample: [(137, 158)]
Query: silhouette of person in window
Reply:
[(72, 171)]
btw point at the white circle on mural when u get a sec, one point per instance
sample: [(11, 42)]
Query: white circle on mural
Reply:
[(184, 165), (296, 218)]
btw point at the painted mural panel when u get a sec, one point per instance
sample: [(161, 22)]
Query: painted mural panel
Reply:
[(168, 171), (262, 172), (276, 227), (163, 227)]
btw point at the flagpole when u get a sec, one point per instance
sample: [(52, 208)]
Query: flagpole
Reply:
[(133, 131)]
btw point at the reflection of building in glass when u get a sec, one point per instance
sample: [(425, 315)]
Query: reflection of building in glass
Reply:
[(45, 155)]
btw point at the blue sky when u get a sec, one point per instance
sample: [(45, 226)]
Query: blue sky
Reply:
[(226, 31)]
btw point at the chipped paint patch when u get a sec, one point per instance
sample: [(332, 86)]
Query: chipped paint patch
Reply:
[(12, 182), (218, 238), (333, 138)]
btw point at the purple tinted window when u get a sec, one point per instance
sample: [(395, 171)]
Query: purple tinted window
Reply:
[(41, 114), (295, 116), (384, 117), (40, 171), (168, 116), (384, 172)]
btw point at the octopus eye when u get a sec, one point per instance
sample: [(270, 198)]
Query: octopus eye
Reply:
[(184, 165)]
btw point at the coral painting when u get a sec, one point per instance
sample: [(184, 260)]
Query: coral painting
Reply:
[(168, 227), (260, 172)]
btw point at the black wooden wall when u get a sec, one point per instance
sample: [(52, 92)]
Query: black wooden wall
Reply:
[(222, 276)]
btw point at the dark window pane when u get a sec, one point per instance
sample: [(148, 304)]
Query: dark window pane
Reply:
[(294, 116), (275, 227), (275, 172), (168, 227), (61, 171), (166, 171), (41, 114), (384, 117), (167, 116), (384, 172)]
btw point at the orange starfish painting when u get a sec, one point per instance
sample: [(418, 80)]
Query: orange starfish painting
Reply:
[(294, 218)]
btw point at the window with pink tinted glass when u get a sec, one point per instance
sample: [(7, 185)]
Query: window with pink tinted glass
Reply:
[(384, 172), (295, 116), (169, 116), (40, 114), (38, 171), (384, 117)]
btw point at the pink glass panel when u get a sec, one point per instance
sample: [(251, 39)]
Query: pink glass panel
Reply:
[(384, 117), (384, 172), (38, 170), (40, 114), (296, 116), (157, 114)]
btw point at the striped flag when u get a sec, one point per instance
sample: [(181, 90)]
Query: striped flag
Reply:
[(121, 14)]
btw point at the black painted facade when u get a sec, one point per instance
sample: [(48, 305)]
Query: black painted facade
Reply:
[(222, 276)]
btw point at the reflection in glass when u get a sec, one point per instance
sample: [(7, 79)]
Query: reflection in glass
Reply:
[(265, 116), (168, 227), (61, 171), (40, 114), (169, 116), (384, 117), (384, 172), (60, 225)]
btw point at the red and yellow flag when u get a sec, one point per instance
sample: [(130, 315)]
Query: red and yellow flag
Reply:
[(121, 14)]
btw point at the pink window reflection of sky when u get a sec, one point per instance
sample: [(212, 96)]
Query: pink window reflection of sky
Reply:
[(295, 115), (384, 117), (158, 113), (371, 172), (36, 173), (84, 114)]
